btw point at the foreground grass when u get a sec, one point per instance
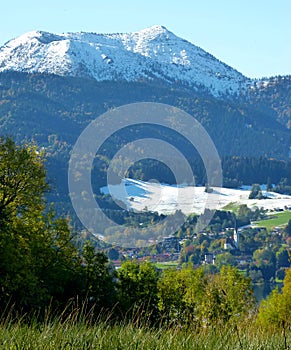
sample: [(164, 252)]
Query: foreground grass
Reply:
[(74, 334), (273, 220)]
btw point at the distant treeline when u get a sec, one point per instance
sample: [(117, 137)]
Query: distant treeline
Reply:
[(237, 171)]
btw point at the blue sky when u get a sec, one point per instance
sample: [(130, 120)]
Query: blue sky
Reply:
[(252, 36)]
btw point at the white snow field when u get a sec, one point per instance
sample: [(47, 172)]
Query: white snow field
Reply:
[(164, 199)]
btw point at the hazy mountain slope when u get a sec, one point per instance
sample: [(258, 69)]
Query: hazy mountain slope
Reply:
[(273, 94), (40, 106)]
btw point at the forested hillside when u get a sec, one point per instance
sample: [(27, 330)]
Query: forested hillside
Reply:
[(53, 111), (274, 93)]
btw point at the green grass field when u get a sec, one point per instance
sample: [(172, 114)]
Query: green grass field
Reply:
[(166, 265), (276, 219), (72, 333), (232, 206)]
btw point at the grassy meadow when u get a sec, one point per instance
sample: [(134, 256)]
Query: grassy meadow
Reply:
[(80, 333), (275, 220)]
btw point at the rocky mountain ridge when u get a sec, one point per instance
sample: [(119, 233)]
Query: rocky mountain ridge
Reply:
[(152, 54)]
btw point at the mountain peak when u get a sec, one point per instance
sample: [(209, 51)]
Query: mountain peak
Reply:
[(155, 29), (154, 32), (152, 53)]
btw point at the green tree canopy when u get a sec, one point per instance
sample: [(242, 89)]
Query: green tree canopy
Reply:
[(38, 259), (22, 179), (137, 287), (229, 296), (180, 294), (275, 310), (256, 192)]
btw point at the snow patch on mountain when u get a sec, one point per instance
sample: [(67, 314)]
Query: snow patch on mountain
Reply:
[(150, 54), (164, 199)]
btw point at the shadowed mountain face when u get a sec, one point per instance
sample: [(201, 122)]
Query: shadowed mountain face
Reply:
[(53, 111)]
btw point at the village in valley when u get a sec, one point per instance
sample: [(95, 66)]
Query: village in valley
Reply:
[(251, 234)]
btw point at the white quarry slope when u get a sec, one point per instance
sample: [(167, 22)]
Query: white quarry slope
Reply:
[(164, 199), (150, 54)]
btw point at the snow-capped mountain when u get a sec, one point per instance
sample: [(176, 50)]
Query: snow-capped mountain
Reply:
[(150, 54)]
